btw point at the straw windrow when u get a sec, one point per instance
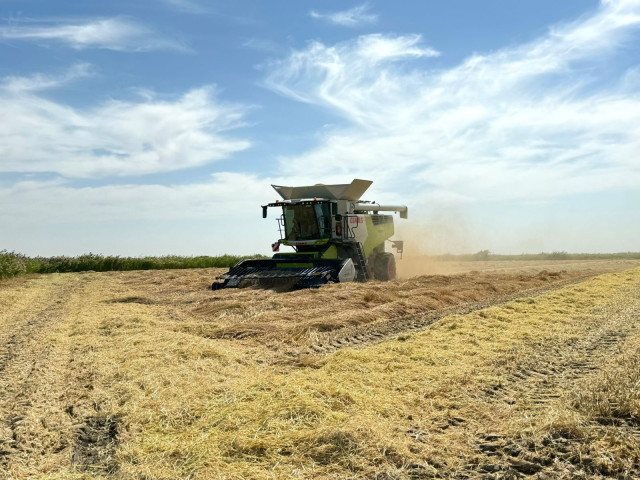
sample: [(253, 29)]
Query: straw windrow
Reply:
[(120, 377)]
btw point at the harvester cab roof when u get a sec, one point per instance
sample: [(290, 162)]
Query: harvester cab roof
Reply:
[(335, 237)]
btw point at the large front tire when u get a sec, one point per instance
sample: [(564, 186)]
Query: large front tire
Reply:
[(385, 267)]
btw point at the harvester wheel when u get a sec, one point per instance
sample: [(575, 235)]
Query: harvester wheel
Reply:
[(385, 267)]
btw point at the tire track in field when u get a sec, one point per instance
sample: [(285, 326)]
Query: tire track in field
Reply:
[(27, 366), (25, 323), (22, 323), (543, 380), (369, 334), (535, 384), (544, 377)]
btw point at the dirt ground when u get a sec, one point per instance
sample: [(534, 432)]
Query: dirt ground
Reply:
[(149, 374)]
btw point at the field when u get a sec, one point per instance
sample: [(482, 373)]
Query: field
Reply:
[(470, 370)]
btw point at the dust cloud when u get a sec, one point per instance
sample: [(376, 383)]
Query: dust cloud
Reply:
[(426, 238)]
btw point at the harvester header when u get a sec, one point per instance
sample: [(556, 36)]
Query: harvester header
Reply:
[(336, 237)]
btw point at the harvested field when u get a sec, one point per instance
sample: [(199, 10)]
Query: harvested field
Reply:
[(494, 370)]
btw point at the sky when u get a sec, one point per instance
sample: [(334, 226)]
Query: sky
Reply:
[(157, 126)]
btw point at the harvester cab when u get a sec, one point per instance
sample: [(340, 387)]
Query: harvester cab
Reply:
[(336, 237)]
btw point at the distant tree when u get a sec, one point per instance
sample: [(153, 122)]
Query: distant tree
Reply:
[(482, 255)]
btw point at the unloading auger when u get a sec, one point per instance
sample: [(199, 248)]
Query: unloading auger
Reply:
[(336, 237)]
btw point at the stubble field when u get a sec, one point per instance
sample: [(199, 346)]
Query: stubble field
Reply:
[(457, 370)]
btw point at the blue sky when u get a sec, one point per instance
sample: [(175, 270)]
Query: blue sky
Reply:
[(156, 127)]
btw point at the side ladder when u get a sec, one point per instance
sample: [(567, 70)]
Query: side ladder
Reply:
[(360, 262)]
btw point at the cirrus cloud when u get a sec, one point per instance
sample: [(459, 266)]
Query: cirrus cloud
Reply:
[(358, 15), (521, 123), (116, 33)]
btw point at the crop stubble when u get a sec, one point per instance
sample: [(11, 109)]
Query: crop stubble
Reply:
[(247, 384)]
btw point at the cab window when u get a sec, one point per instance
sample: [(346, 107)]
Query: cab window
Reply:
[(307, 222)]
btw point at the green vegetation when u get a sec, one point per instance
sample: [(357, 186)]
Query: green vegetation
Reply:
[(12, 264)]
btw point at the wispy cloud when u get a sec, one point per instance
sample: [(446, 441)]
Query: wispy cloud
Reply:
[(262, 45), (524, 122), (116, 138), (187, 6), (117, 33), (352, 17), (39, 81), (346, 76)]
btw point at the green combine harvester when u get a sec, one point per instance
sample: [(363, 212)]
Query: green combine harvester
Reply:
[(336, 237)]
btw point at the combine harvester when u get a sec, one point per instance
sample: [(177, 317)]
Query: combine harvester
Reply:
[(336, 237)]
